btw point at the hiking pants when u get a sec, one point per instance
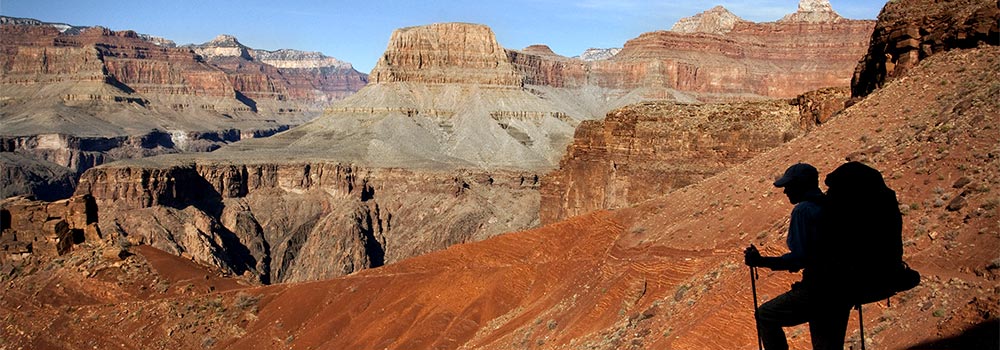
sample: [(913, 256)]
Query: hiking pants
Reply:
[(827, 323)]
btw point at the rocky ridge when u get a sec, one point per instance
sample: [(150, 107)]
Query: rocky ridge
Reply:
[(457, 53)]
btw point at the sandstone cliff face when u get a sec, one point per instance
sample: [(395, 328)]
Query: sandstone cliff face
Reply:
[(78, 97), (282, 74), (305, 221), (647, 150), (913, 31), (815, 11), (716, 56), (445, 53), (778, 60), (22, 175)]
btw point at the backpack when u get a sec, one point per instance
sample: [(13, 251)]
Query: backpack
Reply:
[(862, 237)]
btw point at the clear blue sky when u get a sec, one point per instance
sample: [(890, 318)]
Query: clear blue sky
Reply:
[(358, 31)]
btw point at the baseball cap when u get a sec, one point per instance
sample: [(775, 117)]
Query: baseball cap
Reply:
[(796, 172)]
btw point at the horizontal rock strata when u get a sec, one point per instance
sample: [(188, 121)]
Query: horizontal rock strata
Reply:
[(903, 38), (78, 97), (304, 221)]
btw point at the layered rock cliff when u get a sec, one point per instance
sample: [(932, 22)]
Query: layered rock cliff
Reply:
[(903, 38), (445, 53), (282, 74), (78, 97), (300, 221), (647, 150), (716, 56), (724, 58)]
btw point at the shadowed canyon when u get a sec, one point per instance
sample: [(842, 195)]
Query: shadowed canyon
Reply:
[(468, 196)]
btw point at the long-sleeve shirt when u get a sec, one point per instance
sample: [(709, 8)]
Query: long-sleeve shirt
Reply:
[(803, 228)]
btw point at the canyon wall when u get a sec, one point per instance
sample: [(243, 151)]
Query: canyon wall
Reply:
[(903, 38), (648, 150), (304, 221), (77, 97), (282, 74), (716, 56)]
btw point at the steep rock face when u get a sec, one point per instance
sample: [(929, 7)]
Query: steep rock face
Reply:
[(915, 30), (33, 231), (716, 57), (21, 175), (295, 59), (647, 150), (817, 107), (305, 221), (150, 69), (541, 67), (282, 74), (779, 59), (539, 49), (445, 53)]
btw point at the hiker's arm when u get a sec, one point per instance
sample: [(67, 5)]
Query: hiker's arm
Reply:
[(752, 257), (779, 263)]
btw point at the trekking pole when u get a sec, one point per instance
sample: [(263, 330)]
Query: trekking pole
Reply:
[(861, 325), (753, 285)]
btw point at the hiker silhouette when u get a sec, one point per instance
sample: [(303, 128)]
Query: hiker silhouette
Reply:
[(848, 244), (807, 301)]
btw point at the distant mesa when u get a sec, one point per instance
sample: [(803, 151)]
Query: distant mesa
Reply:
[(539, 49), (445, 53)]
